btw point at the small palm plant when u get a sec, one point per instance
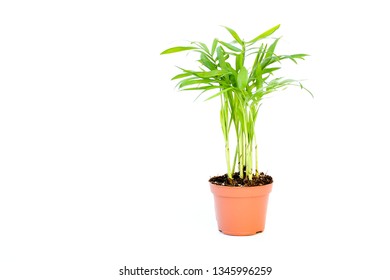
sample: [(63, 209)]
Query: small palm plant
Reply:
[(224, 72)]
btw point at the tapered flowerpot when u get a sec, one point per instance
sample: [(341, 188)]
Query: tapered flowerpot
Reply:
[(241, 210)]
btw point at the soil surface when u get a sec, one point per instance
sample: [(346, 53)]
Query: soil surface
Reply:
[(260, 180)]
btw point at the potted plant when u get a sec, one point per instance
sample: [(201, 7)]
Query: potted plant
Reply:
[(240, 74)]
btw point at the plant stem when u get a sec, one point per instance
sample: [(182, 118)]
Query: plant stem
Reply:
[(241, 161), (227, 152), (257, 158), (249, 161), (235, 160)]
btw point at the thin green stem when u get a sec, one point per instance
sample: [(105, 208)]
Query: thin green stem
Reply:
[(257, 157), (227, 153), (241, 161), (249, 161)]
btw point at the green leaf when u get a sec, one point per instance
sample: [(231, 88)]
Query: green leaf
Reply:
[(294, 56), (259, 77), (239, 61), (235, 35), (230, 46), (270, 70), (242, 78), (271, 48), (179, 76), (210, 74), (256, 61), (215, 42), (302, 87), (193, 82), (178, 49), (203, 46), (221, 58), (265, 34), (201, 51), (218, 94), (191, 78), (262, 52), (269, 60), (204, 88), (299, 55), (205, 60)]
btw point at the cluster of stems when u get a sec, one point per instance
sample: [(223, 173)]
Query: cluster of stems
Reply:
[(242, 117)]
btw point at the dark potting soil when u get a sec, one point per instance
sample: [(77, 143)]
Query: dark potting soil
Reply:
[(260, 180)]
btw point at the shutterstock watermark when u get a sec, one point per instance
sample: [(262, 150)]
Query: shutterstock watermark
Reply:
[(140, 271), (214, 271)]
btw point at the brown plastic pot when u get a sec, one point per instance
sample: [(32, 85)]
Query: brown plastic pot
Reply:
[(241, 210)]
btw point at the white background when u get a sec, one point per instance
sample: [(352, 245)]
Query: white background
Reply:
[(104, 164)]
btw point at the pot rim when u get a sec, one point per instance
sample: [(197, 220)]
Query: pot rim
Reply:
[(230, 191)]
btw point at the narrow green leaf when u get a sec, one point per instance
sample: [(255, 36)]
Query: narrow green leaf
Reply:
[(215, 42), (256, 61), (218, 94), (242, 78), (193, 82), (259, 77), (230, 46), (179, 76), (177, 49), (265, 34), (271, 48), (201, 51), (235, 35), (262, 54), (292, 57), (200, 94), (257, 95), (191, 78), (239, 61), (203, 46), (302, 87), (270, 70), (221, 58), (204, 88), (231, 69), (269, 60), (207, 62), (293, 60), (299, 55), (210, 74)]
